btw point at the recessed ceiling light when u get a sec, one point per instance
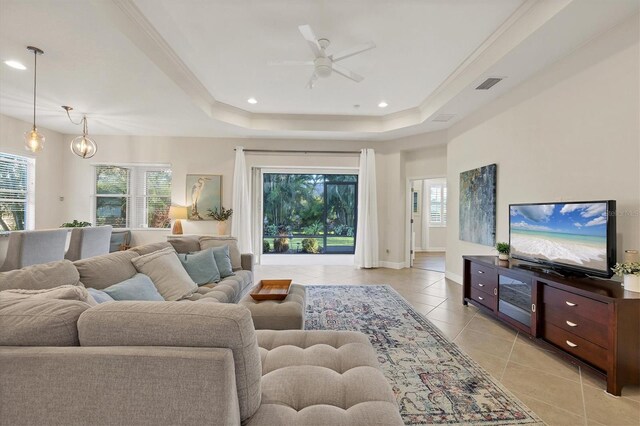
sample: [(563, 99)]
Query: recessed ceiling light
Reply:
[(15, 64), (252, 101), (383, 104)]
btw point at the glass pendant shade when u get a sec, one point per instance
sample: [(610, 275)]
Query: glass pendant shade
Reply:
[(33, 140), (83, 146)]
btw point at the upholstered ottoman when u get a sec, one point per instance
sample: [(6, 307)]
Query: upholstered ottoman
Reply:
[(322, 378), (287, 314)]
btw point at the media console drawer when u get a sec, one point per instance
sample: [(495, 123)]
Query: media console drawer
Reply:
[(576, 345), (483, 298), (485, 284), (487, 273), (586, 328), (579, 305)]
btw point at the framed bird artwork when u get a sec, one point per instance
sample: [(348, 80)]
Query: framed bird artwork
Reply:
[(204, 193)]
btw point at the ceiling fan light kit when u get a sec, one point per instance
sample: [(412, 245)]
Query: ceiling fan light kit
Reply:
[(325, 64)]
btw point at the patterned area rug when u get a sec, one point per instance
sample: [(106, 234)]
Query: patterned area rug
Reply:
[(434, 382)]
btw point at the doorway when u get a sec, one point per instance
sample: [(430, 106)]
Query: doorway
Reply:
[(428, 223)]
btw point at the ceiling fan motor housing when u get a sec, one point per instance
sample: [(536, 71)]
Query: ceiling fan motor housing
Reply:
[(323, 66)]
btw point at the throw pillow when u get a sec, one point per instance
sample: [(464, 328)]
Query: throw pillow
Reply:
[(201, 266), (166, 271), (100, 296), (138, 287), (63, 292), (230, 242), (221, 254)]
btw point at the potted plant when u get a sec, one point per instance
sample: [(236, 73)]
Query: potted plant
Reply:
[(221, 216), (75, 224), (631, 273), (503, 250)]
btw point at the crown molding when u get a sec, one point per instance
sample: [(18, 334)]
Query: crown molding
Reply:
[(530, 17)]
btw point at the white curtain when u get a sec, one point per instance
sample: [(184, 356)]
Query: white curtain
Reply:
[(256, 201), (241, 223), (366, 254)]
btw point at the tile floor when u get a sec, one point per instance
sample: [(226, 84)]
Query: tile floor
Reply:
[(432, 261), (563, 394)]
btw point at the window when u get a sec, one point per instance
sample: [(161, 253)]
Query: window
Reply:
[(309, 213), (17, 192), (438, 204), (133, 196)]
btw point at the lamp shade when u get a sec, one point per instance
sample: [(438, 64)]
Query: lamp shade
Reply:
[(177, 212)]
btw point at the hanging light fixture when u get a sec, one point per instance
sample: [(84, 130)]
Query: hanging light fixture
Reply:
[(34, 140), (82, 146)]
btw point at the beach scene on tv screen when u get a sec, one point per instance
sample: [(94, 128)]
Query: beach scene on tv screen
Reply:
[(571, 234)]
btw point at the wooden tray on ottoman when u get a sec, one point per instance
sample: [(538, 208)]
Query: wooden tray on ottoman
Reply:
[(271, 290)]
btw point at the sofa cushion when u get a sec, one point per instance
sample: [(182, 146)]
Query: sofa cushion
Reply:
[(138, 287), (103, 271), (99, 296), (234, 287), (150, 248), (322, 377), (201, 266), (182, 324), (221, 255), (40, 322), (166, 272), (42, 276), (234, 252), (185, 243), (63, 292)]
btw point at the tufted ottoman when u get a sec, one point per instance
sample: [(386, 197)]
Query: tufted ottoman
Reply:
[(322, 378), (287, 314)]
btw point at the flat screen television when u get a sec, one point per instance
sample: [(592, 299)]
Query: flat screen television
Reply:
[(574, 237)]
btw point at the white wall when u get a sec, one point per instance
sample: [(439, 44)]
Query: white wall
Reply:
[(49, 210), (569, 133)]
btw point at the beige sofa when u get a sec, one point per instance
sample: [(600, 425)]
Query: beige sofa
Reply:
[(63, 362)]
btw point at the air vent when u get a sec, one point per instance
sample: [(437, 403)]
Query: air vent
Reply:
[(443, 118), (489, 83)]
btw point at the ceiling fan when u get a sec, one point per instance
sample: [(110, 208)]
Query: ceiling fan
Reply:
[(325, 64)]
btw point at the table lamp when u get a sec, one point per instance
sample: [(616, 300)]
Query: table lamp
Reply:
[(177, 213)]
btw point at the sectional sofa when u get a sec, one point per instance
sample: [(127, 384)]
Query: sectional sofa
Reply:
[(64, 362)]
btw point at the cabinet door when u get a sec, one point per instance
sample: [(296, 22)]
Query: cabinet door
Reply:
[(516, 301)]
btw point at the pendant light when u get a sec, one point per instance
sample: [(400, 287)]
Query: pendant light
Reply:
[(34, 140), (82, 146)]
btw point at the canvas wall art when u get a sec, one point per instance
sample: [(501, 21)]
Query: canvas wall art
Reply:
[(478, 205), (204, 193)]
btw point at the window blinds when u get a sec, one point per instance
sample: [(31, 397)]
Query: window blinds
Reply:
[(16, 192)]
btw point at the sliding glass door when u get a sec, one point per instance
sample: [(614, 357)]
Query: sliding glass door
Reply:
[(309, 213)]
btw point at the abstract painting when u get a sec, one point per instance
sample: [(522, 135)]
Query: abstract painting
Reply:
[(478, 205), (204, 193)]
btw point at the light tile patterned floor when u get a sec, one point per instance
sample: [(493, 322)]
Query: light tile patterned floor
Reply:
[(559, 392)]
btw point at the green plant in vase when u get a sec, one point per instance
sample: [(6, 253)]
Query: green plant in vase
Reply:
[(75, 224), (503, 250), (221, 216), (631, 273)]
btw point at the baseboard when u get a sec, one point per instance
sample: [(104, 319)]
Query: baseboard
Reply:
[(453, 277), (392, 265)]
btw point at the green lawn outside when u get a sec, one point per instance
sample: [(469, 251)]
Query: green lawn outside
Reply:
[(296, 243)]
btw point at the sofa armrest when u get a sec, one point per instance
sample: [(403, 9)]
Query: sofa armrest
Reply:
[(117, 385), (181, 324), (246, 261)]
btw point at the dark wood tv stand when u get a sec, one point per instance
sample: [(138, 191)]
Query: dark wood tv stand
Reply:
[(593, 323)]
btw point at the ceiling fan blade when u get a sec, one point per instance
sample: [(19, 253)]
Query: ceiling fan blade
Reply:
[(353, 51), (347, 73), (288, 63), (312, 40), (312, 81)]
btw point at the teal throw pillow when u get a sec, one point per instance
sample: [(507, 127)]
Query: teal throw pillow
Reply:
[(221, 254), (99, 296), (138, 287), (201, 266)]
